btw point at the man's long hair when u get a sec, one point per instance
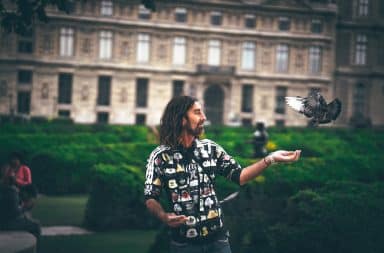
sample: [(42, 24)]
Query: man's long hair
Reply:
[(171, 124)]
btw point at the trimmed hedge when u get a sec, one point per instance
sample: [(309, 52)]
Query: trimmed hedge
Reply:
[(116, 199)]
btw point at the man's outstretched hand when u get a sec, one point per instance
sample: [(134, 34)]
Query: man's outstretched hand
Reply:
[(283, 156), (174, 220)]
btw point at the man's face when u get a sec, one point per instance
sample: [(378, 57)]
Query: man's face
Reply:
[(194, 121)]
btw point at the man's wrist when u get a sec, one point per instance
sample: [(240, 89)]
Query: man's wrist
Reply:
[(268, 160)]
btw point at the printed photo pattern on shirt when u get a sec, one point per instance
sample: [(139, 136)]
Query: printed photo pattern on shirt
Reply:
[(188, 177)]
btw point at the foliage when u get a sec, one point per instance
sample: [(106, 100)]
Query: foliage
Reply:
[(116, 199)]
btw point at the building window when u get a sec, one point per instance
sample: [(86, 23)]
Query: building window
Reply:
[(179, 47), (47, 43), (64, 113), (248, 56), (315, 60), (281, 93), (24, 77), (216, 18), (282, 58), (25, 43), (280, 123), (141, 92), (140, 119), (105, 50), (181, 15), (177, 88), (363, 8), (66, 41), (3, 88), (102, 117), (65, 88), (214, 52), (247, 98), (361, 50), (144, 13), (104, 90), (106, 8), (359, 100), (24, 102), (143, 48), (316, 26), (249, 21), (284, 24)]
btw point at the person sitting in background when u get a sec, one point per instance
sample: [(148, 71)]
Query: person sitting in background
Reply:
[(22, 172), (12, 216)]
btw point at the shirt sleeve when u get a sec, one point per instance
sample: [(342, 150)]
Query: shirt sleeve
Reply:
[(153, 177), (227, 166)]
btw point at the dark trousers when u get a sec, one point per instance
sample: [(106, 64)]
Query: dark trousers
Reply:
[(217, 246)]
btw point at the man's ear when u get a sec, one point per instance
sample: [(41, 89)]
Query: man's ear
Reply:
[(184, 121)]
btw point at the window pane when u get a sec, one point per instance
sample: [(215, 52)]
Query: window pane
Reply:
[(247, 98), (144, 13), (361, 49), (214, 52), (65, 88), (66, 41), (248, 55), (141, 92), (104, 90), (315, 60), (143, 48), (282, 58), (316, 26), (181, 15), (24, 76), (216, 18), (102, 117), (106, 8), (250, 21), (284, 24), (23, 102), (363, 8), (179, 48), (281, 93), (105, 50), (177, 88)]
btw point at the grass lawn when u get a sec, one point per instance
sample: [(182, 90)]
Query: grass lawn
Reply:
[(63, 210), (126, 241), (69, 210)]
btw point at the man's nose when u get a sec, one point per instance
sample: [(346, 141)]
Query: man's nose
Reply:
[(204, 118)]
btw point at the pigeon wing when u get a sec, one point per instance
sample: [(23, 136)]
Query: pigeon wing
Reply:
[(296, 103), (334, 109)]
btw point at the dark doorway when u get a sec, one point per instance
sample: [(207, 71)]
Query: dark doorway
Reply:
[(214, 104)]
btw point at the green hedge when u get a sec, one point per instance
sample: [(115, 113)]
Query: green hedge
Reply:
[(116, 199)]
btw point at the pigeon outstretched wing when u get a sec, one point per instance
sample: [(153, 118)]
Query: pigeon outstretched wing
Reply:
[(315, 107)]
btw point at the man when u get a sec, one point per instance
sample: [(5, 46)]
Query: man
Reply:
[(186, 167)]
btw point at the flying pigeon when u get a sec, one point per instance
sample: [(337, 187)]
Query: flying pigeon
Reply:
[(315, 107)]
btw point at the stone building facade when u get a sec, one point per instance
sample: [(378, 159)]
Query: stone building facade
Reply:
[(115, 61), (359, 75)]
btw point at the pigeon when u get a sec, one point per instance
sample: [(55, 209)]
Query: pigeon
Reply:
[(315, 107)]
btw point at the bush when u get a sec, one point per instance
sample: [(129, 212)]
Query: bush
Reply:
[(116, 199)]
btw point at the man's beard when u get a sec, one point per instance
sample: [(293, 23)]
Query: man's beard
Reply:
[(197, 131)]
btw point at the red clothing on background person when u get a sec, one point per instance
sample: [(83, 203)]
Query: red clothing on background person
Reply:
[(23, 176)]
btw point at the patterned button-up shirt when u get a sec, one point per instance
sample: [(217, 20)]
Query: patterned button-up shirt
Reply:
[(188, 177)]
